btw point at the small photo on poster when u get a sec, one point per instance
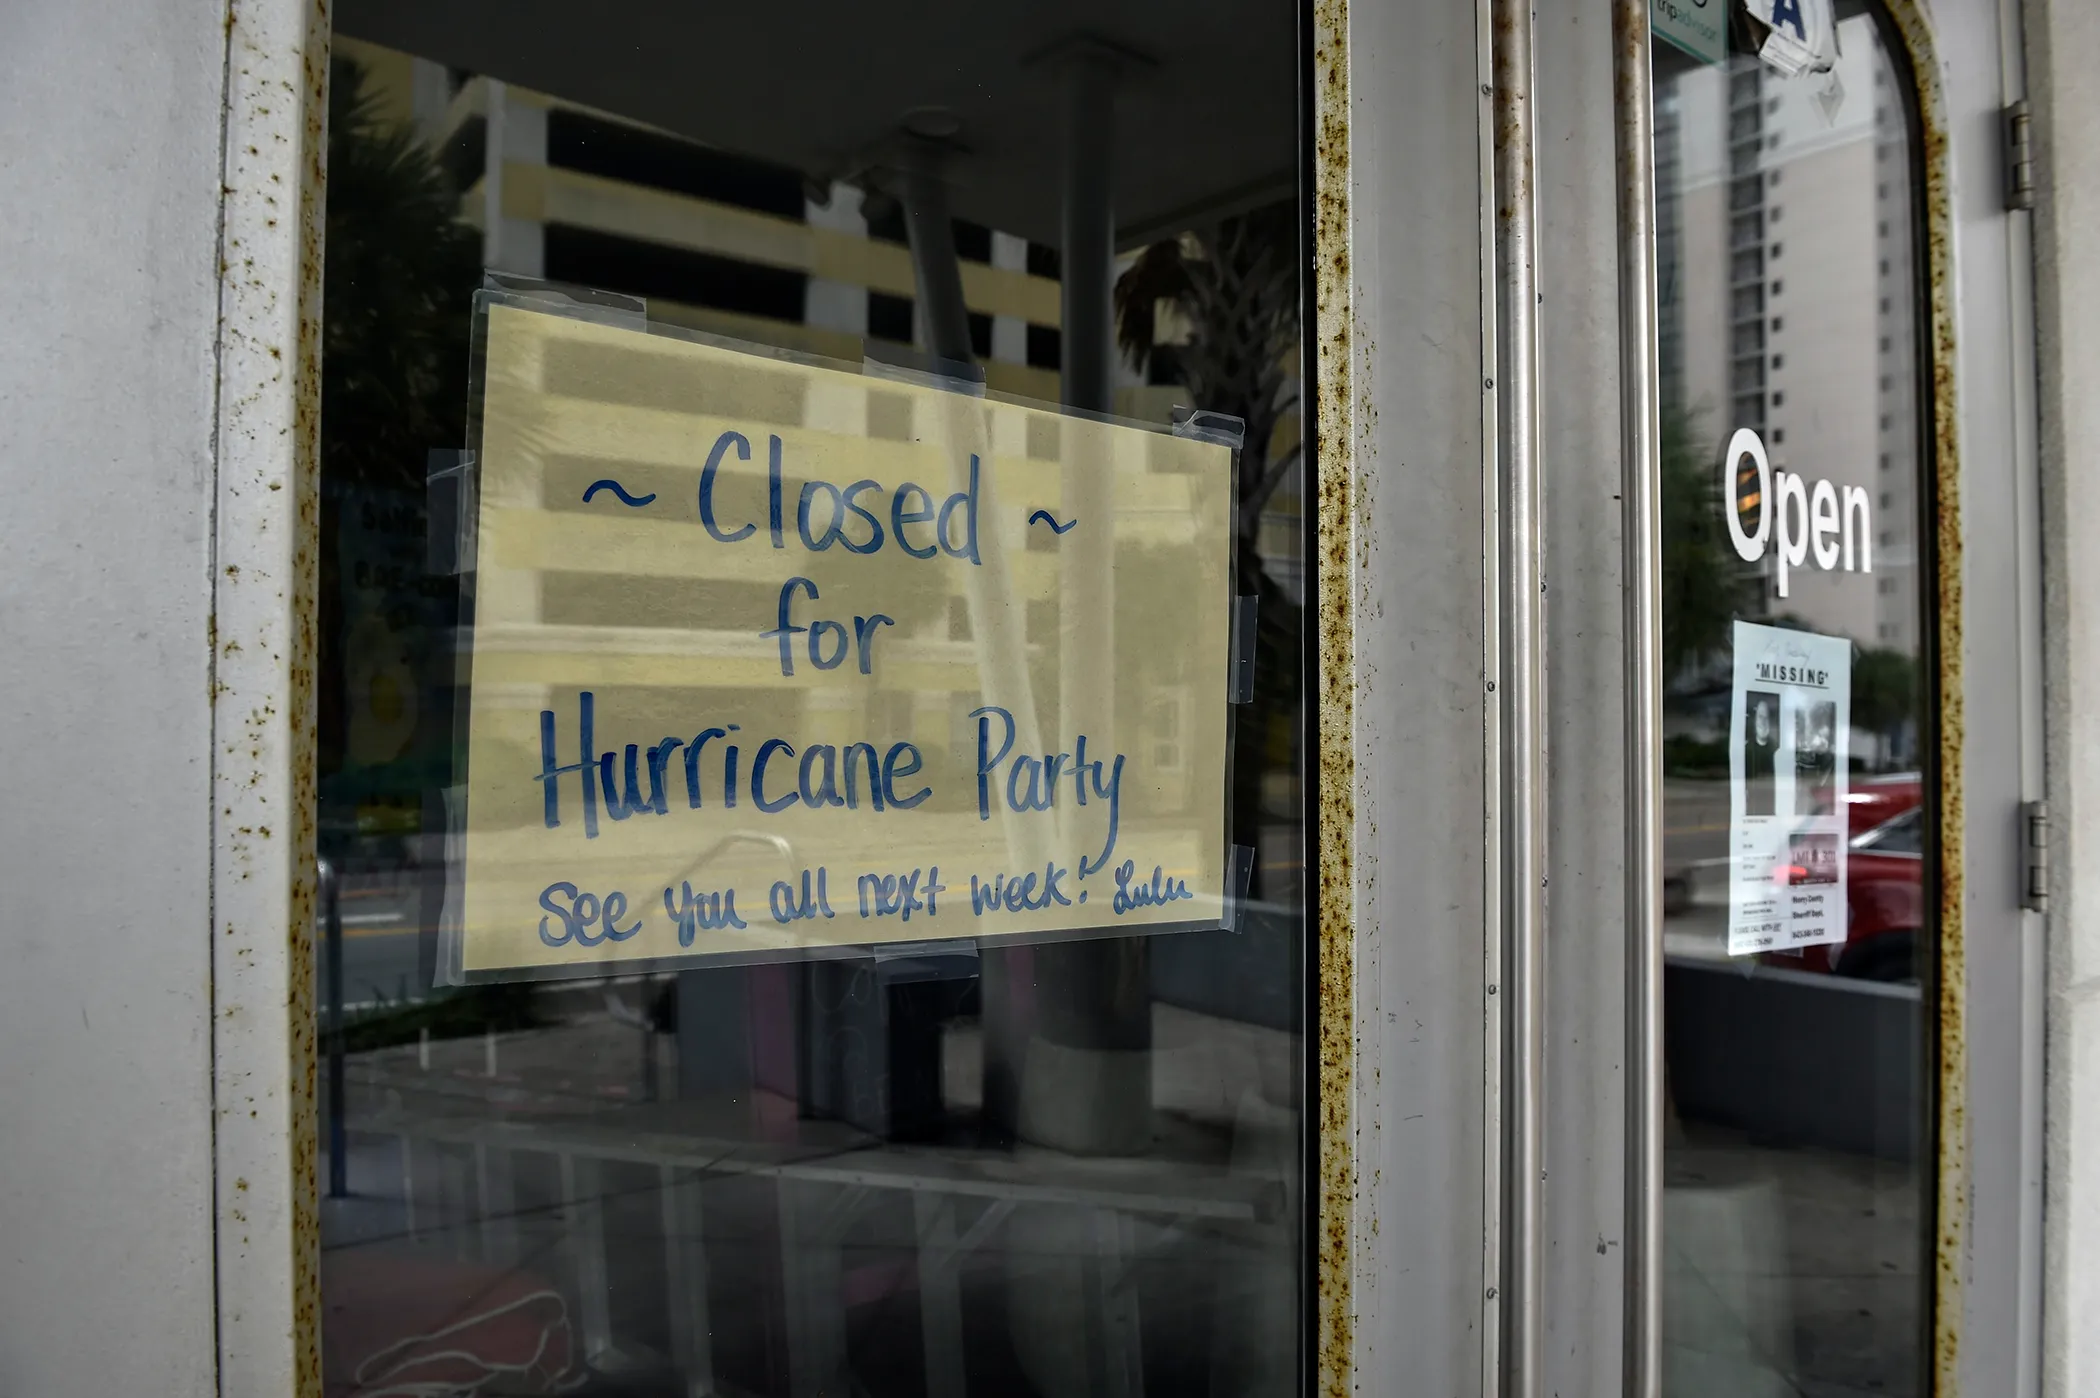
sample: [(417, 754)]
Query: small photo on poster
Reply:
[(1814, 858), (1760, 751), (1815, 751)]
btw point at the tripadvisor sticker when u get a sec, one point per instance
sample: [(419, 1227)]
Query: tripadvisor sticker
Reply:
[(1696, 26)]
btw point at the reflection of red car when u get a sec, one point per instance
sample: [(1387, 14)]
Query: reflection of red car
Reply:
[(1884, 884), (1874, 800)]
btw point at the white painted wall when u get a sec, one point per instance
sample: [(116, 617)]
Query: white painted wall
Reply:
[(2063, 53), (109, 179)]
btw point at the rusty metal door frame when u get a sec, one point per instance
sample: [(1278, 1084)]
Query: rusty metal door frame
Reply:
[(1968, 68), (263, 581), (1407, 1069)]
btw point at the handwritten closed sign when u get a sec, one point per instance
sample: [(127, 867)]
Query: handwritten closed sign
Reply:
[(770, 657)]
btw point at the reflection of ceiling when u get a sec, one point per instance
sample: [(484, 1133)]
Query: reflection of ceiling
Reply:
[(1211, 123)]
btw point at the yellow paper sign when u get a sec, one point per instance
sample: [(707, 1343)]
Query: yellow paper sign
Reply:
[(770, 657)]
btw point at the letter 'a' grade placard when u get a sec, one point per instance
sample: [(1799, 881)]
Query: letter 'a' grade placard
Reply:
[(770, 657)]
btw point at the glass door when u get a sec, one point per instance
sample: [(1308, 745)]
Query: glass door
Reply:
[(1850, 710), (1800, 747)]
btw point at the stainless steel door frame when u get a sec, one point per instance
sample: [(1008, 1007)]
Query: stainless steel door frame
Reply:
[(1592, 681)]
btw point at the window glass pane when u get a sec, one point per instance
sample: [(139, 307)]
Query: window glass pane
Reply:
[(1797, 758), (1054, 1165)]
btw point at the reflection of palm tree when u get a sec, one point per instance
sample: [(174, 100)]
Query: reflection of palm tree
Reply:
[(396, 298), (1701, 577), (1233, 286), (1884, 694)]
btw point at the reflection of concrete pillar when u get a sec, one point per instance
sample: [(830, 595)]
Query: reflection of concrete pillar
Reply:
[(1086, 556), (1089, 227), (932, 714), (920, 187), (833, 713), (922, 190), (517, 136), (1010, 332), (1086, 1084)]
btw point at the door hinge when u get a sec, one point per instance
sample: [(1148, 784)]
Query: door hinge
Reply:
[(2017, 127), (2034, 856)]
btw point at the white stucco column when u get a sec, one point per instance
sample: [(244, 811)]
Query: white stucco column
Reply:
[(2063, 52), (109, 295)]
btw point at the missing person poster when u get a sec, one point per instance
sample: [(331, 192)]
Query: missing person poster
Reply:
[(1787, 766), (770, 656)]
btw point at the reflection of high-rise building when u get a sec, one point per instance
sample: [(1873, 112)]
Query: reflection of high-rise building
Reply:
[(745, 248), (1896, 488), (1669, 244), (1784, 225)]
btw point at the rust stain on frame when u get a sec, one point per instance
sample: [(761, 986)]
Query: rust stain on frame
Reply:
[(1913, 28), (1337, 505), (304, 688), (263, 688)]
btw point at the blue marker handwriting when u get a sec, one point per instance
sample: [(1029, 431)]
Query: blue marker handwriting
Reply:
[(1032, 782), (813, 900), (861, 516), (1162, 889), (633, 501), (583, 919), (701, 912), (577, 913), (827, 514), (901, 895), (851, 777), (1020, 893), (827, 639)]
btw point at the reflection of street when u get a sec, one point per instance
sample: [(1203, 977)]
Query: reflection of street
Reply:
[(1695, 820), (1790, 1270), (382, 914), (1792, 1266), (1695, 855), (1700, 933)]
